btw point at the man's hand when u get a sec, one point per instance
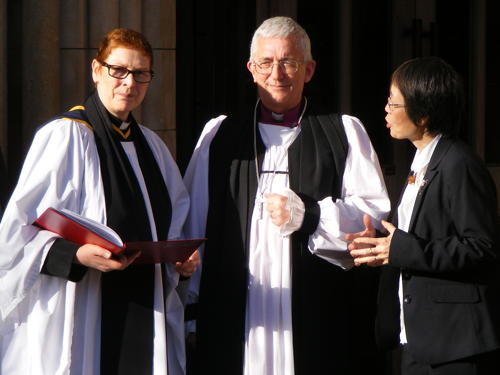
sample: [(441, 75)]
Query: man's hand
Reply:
[(96, 257), (372, 251), (276, 207), (187, 268)]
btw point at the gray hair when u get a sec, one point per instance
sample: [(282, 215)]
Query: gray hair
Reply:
[(283, 27)]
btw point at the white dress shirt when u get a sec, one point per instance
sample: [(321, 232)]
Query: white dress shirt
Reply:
[(405, 208)]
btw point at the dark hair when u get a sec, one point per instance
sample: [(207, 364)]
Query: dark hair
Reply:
[(433, 93), (124, 38)]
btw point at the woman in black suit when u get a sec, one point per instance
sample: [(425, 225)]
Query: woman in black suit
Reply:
[(439, 290)]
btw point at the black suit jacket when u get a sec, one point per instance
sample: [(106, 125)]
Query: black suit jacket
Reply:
[(448, 262)]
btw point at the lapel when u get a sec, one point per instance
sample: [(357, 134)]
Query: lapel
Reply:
[(432, 171)]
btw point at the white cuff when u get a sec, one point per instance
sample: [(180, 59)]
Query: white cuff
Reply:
[(296, 208)]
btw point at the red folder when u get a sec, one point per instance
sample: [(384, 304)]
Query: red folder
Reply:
[(81, 230)]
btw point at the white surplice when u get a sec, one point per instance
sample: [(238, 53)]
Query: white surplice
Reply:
[(50, 325), (269, 346)]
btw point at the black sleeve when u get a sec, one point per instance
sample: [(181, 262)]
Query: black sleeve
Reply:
[(311, 215), (59, 261)]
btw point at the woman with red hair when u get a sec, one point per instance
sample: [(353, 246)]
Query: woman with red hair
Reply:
[(72, 309)]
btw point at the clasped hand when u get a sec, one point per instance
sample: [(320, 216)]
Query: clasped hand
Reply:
[(365, 248), (276, 207)]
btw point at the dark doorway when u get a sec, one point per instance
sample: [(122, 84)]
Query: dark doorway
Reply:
[(213, 46)]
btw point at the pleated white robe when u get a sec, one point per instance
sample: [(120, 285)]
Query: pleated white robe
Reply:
[(50, 325)]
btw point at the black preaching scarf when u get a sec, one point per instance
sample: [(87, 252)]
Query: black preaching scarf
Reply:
[(127, 325)]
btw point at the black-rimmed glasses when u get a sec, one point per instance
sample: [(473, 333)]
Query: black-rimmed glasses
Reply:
[(120, 72)]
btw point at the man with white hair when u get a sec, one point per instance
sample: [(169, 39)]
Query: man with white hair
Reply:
[(275, 190)]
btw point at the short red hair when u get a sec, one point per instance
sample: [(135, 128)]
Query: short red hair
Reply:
[(124, 38)]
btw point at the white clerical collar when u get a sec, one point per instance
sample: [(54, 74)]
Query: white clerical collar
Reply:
[(277, 116), (124, 125)]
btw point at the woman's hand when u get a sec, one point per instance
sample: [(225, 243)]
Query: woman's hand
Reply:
[(99, 258), (372, 251)]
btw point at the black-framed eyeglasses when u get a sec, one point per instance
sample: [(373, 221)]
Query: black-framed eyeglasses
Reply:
[(393, 106), (120, 72), (288, 66)]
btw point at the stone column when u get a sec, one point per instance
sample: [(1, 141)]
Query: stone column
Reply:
[(75, 73), (158, 109), (131, 14), (40, 60), (103, 16)]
